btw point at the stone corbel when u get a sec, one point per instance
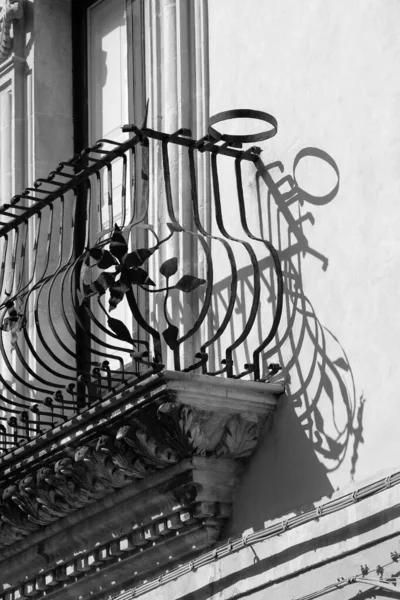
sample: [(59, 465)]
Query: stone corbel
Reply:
[(10, 12), (158, 461)]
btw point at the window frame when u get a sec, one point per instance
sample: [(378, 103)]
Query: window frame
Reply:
[(80, 70), (80, 105)]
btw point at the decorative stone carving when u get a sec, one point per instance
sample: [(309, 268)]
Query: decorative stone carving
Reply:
[(114, 460), (102, 469), (240, 436), (14, 523), (153, 453), (65, 486), (123, 457), (10, 12), (138, 472)]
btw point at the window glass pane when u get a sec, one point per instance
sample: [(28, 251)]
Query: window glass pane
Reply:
[(108, 95), (107, 69), (111, 189)]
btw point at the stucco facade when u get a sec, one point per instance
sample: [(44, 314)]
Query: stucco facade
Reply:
[(321, 488)]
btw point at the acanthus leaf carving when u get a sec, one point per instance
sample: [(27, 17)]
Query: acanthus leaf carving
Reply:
[(182, 427), (14, 523), (146, 446), (240, 437), (79, 475), (123, 457), (44, 498), (102, 467), (66, 487), (28, 505), (161, 436)]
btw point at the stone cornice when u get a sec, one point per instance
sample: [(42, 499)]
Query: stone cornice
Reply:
[(179, 503), (223, 394), (171, 447)]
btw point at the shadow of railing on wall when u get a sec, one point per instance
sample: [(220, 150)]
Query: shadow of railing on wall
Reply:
[(316, 369), (320, 380)]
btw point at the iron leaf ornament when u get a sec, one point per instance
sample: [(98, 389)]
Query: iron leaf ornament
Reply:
[(171, 335), (120, 330), (188, 283), (129, 271), (169, 267)]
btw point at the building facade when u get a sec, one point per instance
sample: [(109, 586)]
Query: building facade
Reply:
[(198, 241)]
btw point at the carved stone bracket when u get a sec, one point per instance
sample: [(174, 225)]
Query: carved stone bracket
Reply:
[(176, 447), (10, 12)]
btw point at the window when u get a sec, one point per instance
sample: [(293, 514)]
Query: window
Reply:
[(108, 93), (107, 63), (108, 68)]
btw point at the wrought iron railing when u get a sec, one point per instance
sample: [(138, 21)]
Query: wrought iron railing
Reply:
[(107, 277)]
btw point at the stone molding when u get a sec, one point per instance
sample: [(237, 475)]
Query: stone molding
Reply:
[(232, 396), (139, 448), (10, 12), (183, 510), (170, 451)]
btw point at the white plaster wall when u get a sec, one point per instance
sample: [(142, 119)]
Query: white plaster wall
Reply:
[(298, 563), (327, 71)]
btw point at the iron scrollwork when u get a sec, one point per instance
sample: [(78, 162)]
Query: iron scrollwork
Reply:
[(84, 233)]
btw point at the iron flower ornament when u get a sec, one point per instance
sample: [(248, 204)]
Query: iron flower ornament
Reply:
[(130, 271)]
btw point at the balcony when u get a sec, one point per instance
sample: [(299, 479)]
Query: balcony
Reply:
[(135, 383)]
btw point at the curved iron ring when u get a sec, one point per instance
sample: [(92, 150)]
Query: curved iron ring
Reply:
[(242, 113)]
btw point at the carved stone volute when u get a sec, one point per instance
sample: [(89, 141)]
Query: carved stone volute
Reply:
[(10, 12)]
